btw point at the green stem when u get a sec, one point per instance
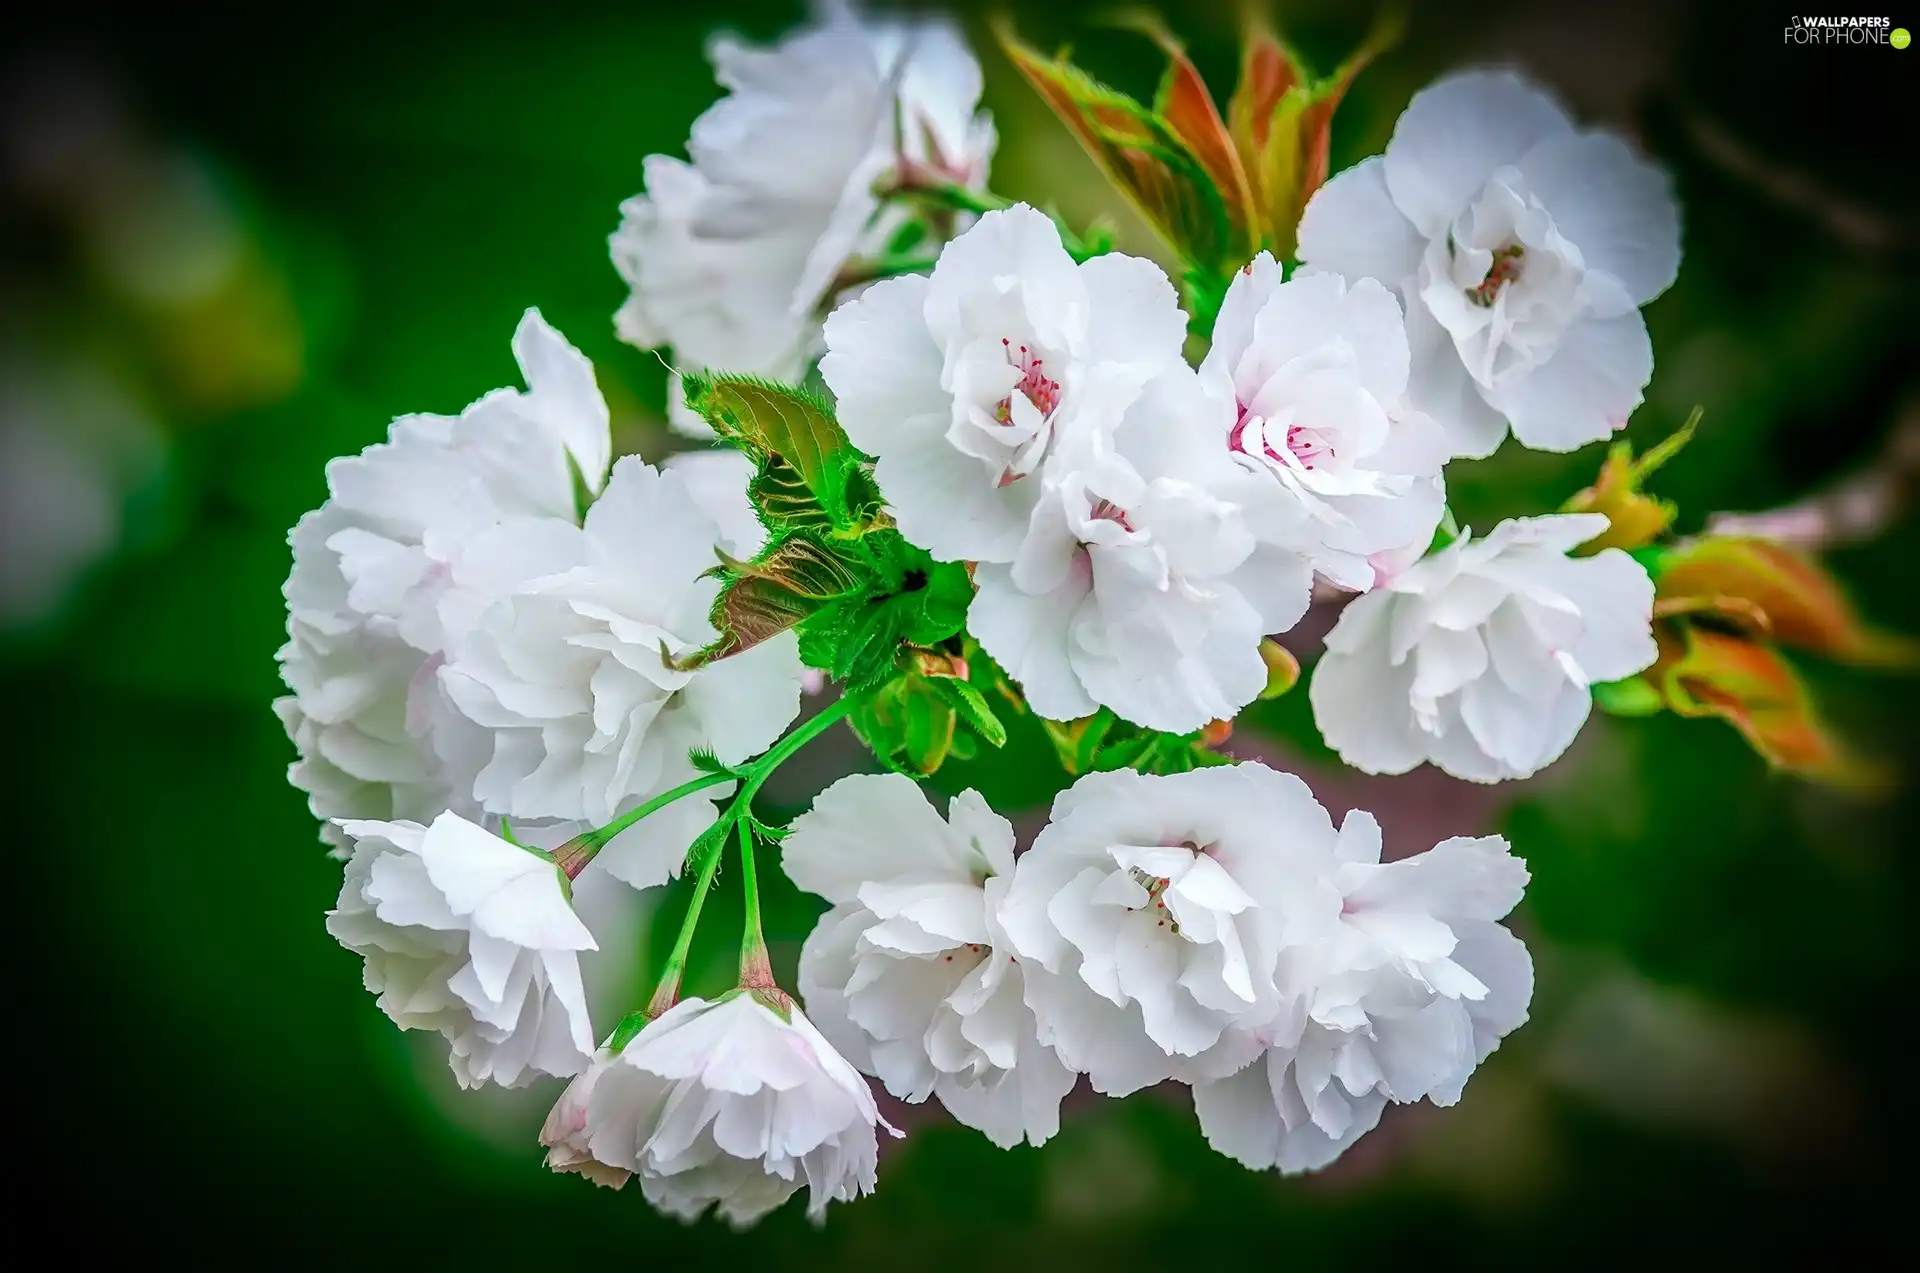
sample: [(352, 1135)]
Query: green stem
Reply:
[(573, 856), (756, 971), (752, 777), (669, 988)]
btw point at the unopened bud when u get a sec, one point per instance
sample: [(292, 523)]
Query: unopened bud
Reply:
[(1283, 670)]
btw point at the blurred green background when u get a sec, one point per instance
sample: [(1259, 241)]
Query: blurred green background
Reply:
[(235, 247)]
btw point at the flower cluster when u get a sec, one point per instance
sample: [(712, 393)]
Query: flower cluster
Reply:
[(514, 659)]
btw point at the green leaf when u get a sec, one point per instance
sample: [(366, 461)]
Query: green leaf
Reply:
[(764, 418), (971, 707), (1635, 696), (801, 565)]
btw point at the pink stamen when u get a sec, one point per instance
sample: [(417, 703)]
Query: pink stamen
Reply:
[(1107, 511), (1306, 445), (1035, 385)]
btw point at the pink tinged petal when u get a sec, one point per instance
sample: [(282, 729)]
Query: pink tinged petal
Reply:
[(1612, 205), (1455, 133), (1587, 389), (1352, 227)]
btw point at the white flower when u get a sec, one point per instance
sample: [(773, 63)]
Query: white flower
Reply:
[(1139, 584), (910, 974), (728, 1102), (471, 936), (1316, 370), (565, 1133), (1523, 249), (1479, 657), (962, 384), (1150, 913), (566, 667), (1405, 985), (368, 596), (730, 257)]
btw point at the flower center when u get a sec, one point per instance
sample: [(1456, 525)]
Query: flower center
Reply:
[(1504, 270), (1155, 886), (1306, 446), (1105, 510), (1034, 384)]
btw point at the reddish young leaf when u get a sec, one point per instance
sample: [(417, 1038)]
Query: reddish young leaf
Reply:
[(1188, 109), (1267, 72), (1777, 592), (1753, 688), (1140, 154)]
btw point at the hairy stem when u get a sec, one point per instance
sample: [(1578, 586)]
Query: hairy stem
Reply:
[(753, 776), (756, 971), (668, 990), (573, 856)]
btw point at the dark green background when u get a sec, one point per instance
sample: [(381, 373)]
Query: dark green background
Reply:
[(1717, 1058)]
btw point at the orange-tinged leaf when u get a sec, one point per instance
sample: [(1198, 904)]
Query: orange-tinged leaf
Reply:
[(1140, 154), (1294, 158), (1188, 109), (1753, 688), (1267, 71), (1801, 604)]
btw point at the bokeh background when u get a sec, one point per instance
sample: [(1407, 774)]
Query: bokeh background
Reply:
[(234, 246)]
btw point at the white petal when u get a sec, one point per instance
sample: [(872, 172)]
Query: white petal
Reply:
[(1586, 391), (1353, 228), (1614, 206), (1455, 133)]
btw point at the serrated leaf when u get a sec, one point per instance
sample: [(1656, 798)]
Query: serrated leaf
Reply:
[(790, 580), (971, 706), (764, 418), (1140, 153), (928, 731), (803, 566)]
